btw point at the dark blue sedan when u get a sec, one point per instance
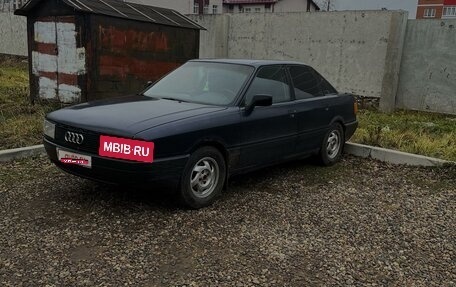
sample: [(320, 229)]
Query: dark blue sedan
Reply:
[(201, 124)]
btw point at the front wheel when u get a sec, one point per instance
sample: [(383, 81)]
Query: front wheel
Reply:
[(332, 146), (203, 178)]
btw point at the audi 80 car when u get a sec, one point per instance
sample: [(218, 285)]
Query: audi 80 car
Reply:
[(202, 123)]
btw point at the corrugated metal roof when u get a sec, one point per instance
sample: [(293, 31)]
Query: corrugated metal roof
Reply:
[(120, 9)]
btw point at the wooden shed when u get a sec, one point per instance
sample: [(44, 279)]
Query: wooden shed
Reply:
[(81, 50)]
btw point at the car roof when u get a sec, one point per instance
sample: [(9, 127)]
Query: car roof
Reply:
[(250, 62)]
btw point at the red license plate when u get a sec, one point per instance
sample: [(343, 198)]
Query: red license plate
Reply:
[(135, 150)]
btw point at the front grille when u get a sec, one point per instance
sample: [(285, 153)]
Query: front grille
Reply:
[(89, 145)]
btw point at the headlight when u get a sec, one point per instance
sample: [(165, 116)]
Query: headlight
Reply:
[(49, 129)]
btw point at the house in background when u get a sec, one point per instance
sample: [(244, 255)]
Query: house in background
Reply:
[(186, 6), (436, 9), (11, 5), (232, 6), (261, 6)]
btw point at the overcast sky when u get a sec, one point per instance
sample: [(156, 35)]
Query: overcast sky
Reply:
[(409, 5)]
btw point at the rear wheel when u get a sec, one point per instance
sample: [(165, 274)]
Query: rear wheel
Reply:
[(203, 178), (332, 145)]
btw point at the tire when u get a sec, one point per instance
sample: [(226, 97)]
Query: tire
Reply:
[(203, 178), (332, 146)]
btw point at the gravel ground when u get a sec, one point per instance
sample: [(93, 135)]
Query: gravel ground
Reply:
[(357, 223)]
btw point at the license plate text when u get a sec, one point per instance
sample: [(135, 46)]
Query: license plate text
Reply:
[(129, 149)]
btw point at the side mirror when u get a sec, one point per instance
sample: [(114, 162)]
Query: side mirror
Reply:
[(259, 101)]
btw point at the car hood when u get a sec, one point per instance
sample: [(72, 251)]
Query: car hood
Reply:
[(128, 116)]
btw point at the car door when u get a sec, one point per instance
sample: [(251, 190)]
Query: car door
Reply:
[(313, 106), (268, 134)]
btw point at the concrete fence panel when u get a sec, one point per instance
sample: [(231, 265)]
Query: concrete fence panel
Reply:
[(13, 34), (428, 71), (352, 49)]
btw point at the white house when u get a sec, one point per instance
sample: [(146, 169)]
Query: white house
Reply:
[(186, 6), (261, 6), (233, 6)]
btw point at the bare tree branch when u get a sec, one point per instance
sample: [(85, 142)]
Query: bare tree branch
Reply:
[(326, 5)]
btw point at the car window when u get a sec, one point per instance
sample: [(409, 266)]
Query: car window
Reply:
[(202, 82), (308, 83), (272, 81), (325, 86), (305, 83)]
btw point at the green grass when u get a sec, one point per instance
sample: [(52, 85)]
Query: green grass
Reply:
[(20, 121), (415, 132)]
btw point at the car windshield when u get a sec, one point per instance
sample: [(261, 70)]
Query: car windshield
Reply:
[(202, 82)]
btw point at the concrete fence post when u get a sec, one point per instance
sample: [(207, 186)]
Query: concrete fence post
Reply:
[(390, 83), (214, 41)]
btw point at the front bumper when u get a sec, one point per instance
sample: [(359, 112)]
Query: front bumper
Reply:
[(108, 170)]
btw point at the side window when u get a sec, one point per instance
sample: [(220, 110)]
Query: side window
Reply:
[(305, 83), (325, 86), (272, 81)]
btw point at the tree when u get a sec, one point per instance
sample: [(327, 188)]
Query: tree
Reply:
[(326, 5)]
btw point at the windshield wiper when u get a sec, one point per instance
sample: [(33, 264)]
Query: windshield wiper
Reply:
[(173, 99)]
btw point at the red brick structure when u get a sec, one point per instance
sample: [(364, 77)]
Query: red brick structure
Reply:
[(436, 9)]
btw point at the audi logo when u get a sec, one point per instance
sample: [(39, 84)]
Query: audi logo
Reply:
[(74, 137)]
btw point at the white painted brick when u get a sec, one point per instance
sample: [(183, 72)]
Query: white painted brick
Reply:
[(43, 62), (69, 94), (48, 88), (45, 32)]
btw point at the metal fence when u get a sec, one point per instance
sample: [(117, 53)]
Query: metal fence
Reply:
[(11, 5)]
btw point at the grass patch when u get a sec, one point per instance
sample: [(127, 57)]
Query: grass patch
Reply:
[(414, 132), (21, 123)]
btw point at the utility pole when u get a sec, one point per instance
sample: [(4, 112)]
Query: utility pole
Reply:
[(329, 4)]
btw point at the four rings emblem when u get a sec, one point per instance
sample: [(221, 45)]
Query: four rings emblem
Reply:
[(74, 137)]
